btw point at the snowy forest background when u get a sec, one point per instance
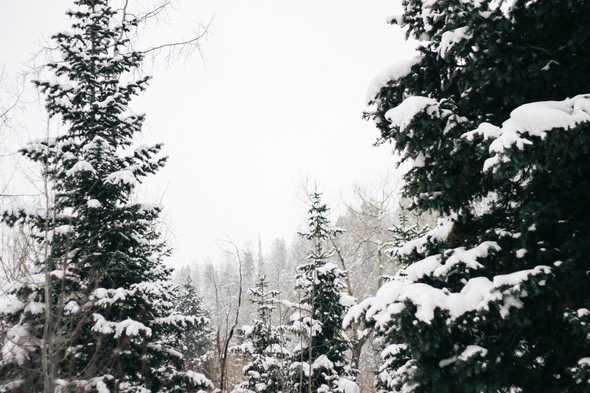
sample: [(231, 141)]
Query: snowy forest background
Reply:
[(464, 270)]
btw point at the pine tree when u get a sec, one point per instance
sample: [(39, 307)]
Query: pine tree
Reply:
[(263, 344), (404, 231), (98, 314), (196, 341), (494, 299), (319, 364)]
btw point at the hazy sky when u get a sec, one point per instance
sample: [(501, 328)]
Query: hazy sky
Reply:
[(274, 98)]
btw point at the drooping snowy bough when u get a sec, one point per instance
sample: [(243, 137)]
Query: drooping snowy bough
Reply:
[(496, 297), (98, 312)]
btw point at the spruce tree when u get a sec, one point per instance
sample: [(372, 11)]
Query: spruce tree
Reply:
[(319, 362), (195, 342), (263, 344), (98, 314), (404, 231), (495, 298)]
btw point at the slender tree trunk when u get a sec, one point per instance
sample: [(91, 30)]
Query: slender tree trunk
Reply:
[(223, 382), (47, 365)]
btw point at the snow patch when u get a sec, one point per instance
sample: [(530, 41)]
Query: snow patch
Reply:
[(123, 177), (80, 167), (394, 72), (348, 386), (450, 38), (476, 294), (401, 115), (536, 119), (472, 351), (438, 234), (93, 204), (130, 327), (322, 362)]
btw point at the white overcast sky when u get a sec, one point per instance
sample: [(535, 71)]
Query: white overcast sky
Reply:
[(274, 99)]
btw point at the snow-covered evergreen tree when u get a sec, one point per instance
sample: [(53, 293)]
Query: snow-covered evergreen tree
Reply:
[(263, 344), (495, 298), (319, 363), (404, 230), (98, 314), (195, 342)]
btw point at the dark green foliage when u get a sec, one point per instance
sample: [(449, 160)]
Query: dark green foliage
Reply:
[(321, 286), (527, 194), (195, 342), (99, 304), (264, 345)]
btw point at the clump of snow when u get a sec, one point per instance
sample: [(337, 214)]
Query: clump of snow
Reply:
[(451, 38), (34, 308), (485, 130), (396, 71), (102, 387), (93, 204), (348, 386), (71, 307), (130, 327), (401, 115), (438, 234), (472, 351), (80, 167), (104, 296), (447, 362), (535, 119), (467, 257), (62, 229), (433, 265), (122, 177), (476, 294), (322, 362), (198, 379), (422, 268), (10, 304), (101, 325), (17, 345), (393, 349), (326, 268)]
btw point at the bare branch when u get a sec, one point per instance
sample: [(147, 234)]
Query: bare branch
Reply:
[(187, 43)]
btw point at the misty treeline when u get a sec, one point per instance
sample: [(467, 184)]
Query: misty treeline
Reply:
[(358, 242), (474, 280)]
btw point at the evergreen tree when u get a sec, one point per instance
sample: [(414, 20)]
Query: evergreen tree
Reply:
[(98, 314), (403, 230), (263, 344), (494, 299), (195, 342), (319, 363)]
